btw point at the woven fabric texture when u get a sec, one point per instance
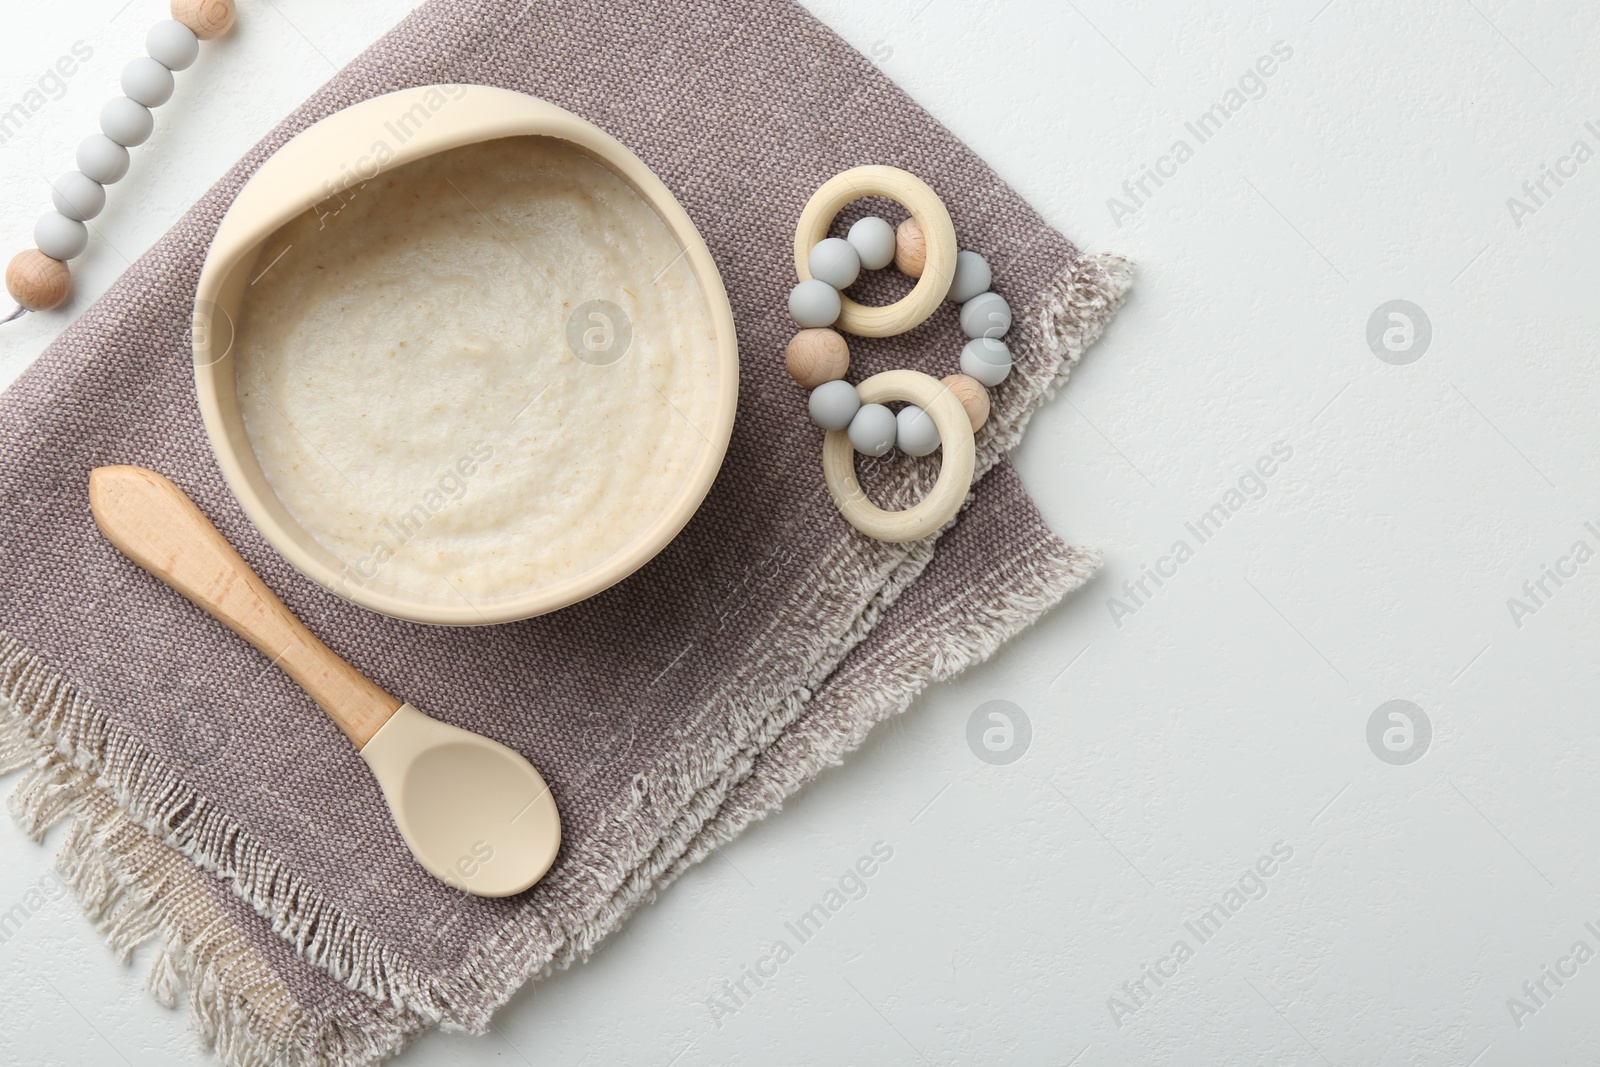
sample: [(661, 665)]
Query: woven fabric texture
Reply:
[(214, 806)]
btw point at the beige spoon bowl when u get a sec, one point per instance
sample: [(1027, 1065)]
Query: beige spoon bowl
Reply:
[(474, 813)]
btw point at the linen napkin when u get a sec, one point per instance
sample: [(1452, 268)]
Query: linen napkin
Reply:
[(216, 810)]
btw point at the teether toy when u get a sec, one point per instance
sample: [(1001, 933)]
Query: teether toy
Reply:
[(938, 414), (39, 278)]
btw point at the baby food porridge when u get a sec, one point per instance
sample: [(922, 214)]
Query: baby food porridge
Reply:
[(480, 373)]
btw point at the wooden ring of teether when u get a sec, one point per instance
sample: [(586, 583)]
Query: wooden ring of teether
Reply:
[(956, 461), (939, 233)]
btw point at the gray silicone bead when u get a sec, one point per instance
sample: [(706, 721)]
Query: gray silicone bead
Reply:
[(126, 122), (915, 431), (873, 240), (78, 197), (814, 303), (60, 237), (872, 431), (102, 159), (971, 278), (172, 44), (145, 81), (833, 404), (834, 260), (986, 315), (986, 359)]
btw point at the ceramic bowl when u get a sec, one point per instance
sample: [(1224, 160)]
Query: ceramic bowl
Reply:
[(359, 143)]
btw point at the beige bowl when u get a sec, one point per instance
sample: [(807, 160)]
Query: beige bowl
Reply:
[(357, 144)]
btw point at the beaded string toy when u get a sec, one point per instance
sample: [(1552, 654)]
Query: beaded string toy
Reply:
[(39, 278), (938, 414)]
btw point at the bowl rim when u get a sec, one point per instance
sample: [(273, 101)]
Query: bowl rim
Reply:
[(329, 159)]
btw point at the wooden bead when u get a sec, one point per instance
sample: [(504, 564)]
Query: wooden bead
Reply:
[(910, 250), (817, 356), (36, 281), (206, 19), (973, 396)]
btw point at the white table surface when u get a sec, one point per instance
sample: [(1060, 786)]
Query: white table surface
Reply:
[(1175, 744)]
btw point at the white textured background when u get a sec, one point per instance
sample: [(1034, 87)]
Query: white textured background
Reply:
[(1228, 711)]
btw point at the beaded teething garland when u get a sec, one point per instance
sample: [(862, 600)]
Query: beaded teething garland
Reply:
[(39, 278), (939, 414)]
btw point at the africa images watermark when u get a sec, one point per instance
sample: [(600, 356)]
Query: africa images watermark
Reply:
[(599, 332), (1538, 191), (398, 529), (47, 890), (999, 732), (1399, 732), (337, 192), (1138, 592), (1538, 591), (731, 995), (1399, 332), (48, 87), (1250, 86), (1537, 992), (1252, 885)]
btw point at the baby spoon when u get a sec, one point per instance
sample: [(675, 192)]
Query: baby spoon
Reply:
[(475, 814)]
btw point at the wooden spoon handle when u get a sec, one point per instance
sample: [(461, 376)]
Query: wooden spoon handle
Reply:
[(160, 529)]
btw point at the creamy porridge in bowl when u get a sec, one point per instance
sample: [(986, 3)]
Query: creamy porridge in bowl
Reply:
[(462, 357)]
